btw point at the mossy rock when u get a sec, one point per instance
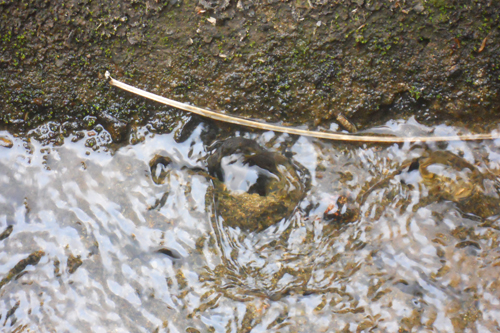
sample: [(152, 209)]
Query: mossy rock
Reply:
[(272, 194)]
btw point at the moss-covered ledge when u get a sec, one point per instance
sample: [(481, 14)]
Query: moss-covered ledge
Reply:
[(299, 62)]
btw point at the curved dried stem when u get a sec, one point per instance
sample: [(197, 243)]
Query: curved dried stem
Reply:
[(290, 130)]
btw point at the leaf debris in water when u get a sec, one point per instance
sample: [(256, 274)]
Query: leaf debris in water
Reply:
[(5, 142), (6, 233), (73, 263), (32, 259)]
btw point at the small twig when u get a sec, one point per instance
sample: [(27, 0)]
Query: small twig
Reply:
[(361, 27), (290, 130)]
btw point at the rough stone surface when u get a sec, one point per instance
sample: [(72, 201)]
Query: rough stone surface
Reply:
[(371, 60)]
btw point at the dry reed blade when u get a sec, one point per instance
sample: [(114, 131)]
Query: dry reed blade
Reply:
[(290, 130)]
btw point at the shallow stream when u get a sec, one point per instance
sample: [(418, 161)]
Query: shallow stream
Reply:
[(195, 231)]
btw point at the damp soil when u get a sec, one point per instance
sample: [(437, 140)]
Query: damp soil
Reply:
[(303, 63)]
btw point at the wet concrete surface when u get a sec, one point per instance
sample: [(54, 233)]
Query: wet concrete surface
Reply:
[(301, 63)]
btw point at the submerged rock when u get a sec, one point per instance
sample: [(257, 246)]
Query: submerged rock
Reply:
[(450, 177), (253, 188)]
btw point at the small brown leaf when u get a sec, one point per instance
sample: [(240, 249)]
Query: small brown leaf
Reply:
[(483, 44)]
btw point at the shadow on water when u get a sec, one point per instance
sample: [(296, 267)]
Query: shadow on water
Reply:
[(203, 229)]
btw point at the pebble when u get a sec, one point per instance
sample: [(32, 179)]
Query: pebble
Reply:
[(5, 142)]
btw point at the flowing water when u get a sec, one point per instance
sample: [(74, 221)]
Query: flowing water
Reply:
[(196, 231)]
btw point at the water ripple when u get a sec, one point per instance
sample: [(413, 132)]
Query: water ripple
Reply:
[(389, 238)]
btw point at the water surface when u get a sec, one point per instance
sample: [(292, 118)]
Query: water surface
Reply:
[(381, 238)]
